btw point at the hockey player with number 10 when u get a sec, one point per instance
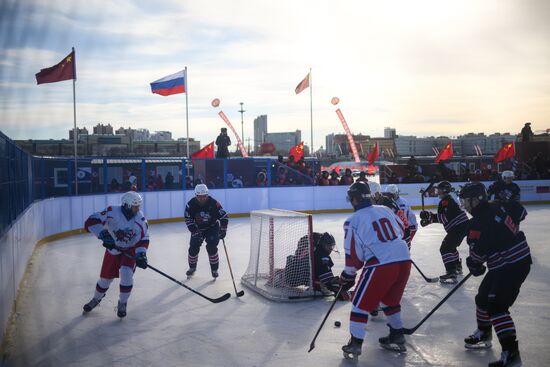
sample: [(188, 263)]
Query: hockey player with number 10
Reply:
[(373, 241), (121, 229)]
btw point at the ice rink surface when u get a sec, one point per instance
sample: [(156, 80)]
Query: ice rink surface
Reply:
[(169, 326)]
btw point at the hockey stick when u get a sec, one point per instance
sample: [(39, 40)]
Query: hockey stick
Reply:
[(312, 345), (424, 191), (411, 331), (429, 280), (240, 293), (213, 300)]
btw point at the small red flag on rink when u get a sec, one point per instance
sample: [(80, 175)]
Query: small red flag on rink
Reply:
[(206, 152), (297, 151), (508, 150), (445, 153)]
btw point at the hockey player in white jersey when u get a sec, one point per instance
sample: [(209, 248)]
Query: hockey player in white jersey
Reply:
[(373, 241), (121, 229), (393, 190)]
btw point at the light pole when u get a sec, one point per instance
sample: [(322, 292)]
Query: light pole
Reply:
[(242, 122)]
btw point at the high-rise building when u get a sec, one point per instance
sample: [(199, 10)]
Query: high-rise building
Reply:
[(161, 136), (103, 129), (260, 130), (329, 141), (82, 131), (389, 133), (284, 141)]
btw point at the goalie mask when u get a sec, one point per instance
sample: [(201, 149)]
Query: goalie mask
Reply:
[(327, 242)]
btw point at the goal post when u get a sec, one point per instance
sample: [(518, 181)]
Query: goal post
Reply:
[(281, 254)]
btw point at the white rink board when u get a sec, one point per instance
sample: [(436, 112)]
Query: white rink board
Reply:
[(56, 215)]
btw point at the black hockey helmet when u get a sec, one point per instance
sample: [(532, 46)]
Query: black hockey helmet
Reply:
[(358, 190), (473, 190), (444, 187), (327, 242)]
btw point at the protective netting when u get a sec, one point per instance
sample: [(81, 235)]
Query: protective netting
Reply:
[(280, 255)]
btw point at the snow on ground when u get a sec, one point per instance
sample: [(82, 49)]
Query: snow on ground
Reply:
[(169, 326)]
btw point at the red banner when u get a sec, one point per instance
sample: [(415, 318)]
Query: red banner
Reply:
[(239, 142), (508, 150), (445, 153), (350, 137), (206, 152), (373, 155)]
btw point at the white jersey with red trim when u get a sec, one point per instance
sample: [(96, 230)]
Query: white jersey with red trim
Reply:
[(373, 233), (126, 233), (406, 208)]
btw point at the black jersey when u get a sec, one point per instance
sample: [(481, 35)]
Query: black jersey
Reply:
[(449, 214), (495, 238), (200, 217), (503, 191), (297, 266)]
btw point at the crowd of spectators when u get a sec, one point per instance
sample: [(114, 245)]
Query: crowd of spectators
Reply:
[(325, 178)]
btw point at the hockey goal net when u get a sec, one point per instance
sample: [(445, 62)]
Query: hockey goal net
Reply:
[(281, 255)]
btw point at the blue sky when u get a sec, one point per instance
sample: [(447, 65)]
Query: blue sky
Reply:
[(427, 67)]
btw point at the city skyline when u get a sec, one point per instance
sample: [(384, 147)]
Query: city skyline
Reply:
[(427, 69)]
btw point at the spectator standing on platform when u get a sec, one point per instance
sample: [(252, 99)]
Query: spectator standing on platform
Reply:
[(526, 132), (223, 142)]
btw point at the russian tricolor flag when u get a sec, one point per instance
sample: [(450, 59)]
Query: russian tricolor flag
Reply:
[(171, 84)]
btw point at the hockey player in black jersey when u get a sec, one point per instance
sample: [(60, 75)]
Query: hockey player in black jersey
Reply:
[(507, 194), (495, 239), (505, 189), (297, 266), (455, 222), (206, 220)]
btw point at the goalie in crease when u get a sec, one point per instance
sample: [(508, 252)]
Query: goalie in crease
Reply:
[(297, 271)]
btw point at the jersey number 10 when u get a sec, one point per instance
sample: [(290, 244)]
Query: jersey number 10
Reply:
[(384, 230)]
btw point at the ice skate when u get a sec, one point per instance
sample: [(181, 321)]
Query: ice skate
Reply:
[(215, 274), (479, 340), (352, 350), (508, 359), (458, 269), (395, 341), (190, 272), (448, 278), (121, 309), (91, 305)]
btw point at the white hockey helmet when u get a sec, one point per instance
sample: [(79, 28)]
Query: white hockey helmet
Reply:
[(132, 179), (201, 189), (507, 174), (130, 199), (374, 188), (393, 190)]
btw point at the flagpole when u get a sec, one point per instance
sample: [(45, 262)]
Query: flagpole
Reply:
[(311, 109), (186, 116), (75, 131)]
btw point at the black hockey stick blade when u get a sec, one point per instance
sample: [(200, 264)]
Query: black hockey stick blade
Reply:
[(429, 280), (213, 300), (410, 331), (240, 293)]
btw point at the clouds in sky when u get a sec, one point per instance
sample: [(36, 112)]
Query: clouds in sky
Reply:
[(425, 67)]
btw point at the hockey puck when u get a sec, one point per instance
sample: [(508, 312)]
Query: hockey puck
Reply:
[(337, 323)]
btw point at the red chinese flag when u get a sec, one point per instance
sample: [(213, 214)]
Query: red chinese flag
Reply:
[(508, 150), (64, 70), (206, 152), (373, 154), (303, 85), (297, 151), (445, 153)]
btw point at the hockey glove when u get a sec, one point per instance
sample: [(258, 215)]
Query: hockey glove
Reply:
[(107, 239), (476, 268), (424, 214), (223, 232), (141, 260), (424, 222), (347, 281)]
